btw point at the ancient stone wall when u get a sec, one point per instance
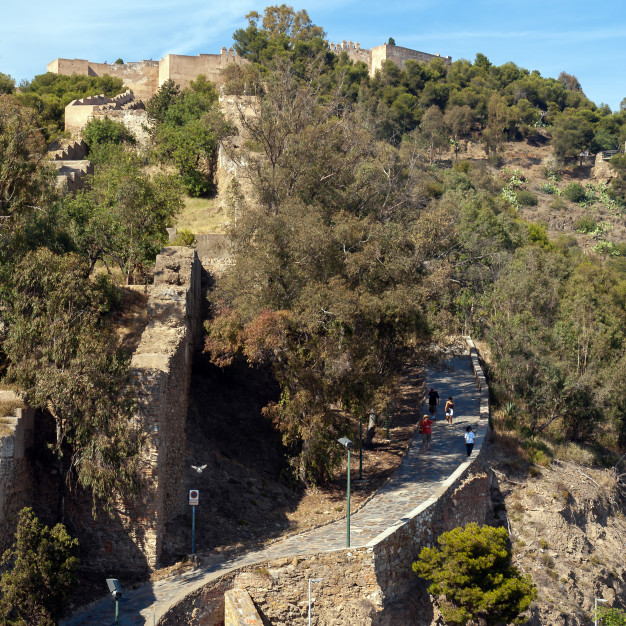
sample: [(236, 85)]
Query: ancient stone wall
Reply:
[(182, 69), (162, 370), (359, 585), (399, 56), (16, 477), (144, 78), (136, 120)]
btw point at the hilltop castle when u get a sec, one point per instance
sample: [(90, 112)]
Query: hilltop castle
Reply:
[(144, 78)]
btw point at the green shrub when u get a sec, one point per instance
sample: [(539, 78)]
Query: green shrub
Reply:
[(526, 198), (184, 237), (558, 204), (611, 616), (550, 189), (585, 224), (575, 192), (101, 131), (473, 570)]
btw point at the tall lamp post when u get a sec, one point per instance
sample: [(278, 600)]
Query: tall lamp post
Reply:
[(344, 441), (312, 580), (595, 609)]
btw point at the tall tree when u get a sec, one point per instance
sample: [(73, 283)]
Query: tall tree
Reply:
[(39, 573), (62, 355), (329, 282)]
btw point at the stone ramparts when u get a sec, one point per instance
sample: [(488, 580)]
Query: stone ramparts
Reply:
[(162, 371), (375, 57), (79, 112), (358, 584), (71, 151), (16, 477)]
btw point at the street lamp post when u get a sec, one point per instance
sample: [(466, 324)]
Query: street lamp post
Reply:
[(116, 591), (344, 441), (595, 609), (312, 580)]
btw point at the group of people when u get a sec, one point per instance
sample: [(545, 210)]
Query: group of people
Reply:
[(425, 424)]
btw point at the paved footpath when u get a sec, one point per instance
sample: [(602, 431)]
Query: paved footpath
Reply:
[(417, 478)]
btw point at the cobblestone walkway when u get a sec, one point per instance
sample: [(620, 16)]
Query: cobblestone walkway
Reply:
[(418, 477)]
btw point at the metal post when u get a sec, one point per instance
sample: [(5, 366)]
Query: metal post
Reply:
[(117, 610), (595, 609), (193, 530), (348, 517), (360, 449)]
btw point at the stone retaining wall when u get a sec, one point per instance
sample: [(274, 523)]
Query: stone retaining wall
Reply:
[(359, 585), (162, 369), (16, 478)]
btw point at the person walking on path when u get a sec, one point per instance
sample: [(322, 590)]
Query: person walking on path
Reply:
[(433, 401), (449, 409), (469, 440), (426, 433)]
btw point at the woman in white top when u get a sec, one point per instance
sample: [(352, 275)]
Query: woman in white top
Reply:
[(469, 439)]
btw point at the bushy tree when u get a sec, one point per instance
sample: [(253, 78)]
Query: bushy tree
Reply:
[(7, 83), (26, 181), (472, 569), (187, 128), (48, 94), (105, 130), (329, 283), (122, 216), (62, 354), (279, 31), (39, 572)]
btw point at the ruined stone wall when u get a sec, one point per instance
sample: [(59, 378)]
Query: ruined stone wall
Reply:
[(162, 370), (363, 585), (135, 120), (16, 477)]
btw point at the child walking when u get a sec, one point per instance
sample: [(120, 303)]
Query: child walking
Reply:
[(469, 440)]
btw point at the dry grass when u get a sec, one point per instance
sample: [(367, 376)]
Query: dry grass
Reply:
[(8, 407), (577, 454), (201, 216)]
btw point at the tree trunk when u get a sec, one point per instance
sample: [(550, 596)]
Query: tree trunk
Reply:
[(371, 431)]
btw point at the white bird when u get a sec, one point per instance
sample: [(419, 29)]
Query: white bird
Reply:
[(199, 468)]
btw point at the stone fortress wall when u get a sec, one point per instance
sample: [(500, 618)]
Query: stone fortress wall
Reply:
[(144, 78), (79, 112), (363, 581), (374, 57), (16, 477), (162, 370)]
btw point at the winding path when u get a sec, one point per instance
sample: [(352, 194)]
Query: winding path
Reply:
[(418, 477)]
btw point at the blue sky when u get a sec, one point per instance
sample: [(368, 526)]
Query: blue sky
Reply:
[(583, 38)]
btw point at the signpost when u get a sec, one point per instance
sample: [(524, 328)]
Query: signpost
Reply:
[(194, 496)]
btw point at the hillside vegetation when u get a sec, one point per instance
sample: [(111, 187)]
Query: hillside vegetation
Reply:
[(382, 216)]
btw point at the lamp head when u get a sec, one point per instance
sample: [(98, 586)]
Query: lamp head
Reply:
[(114, 587), (344, 441)]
